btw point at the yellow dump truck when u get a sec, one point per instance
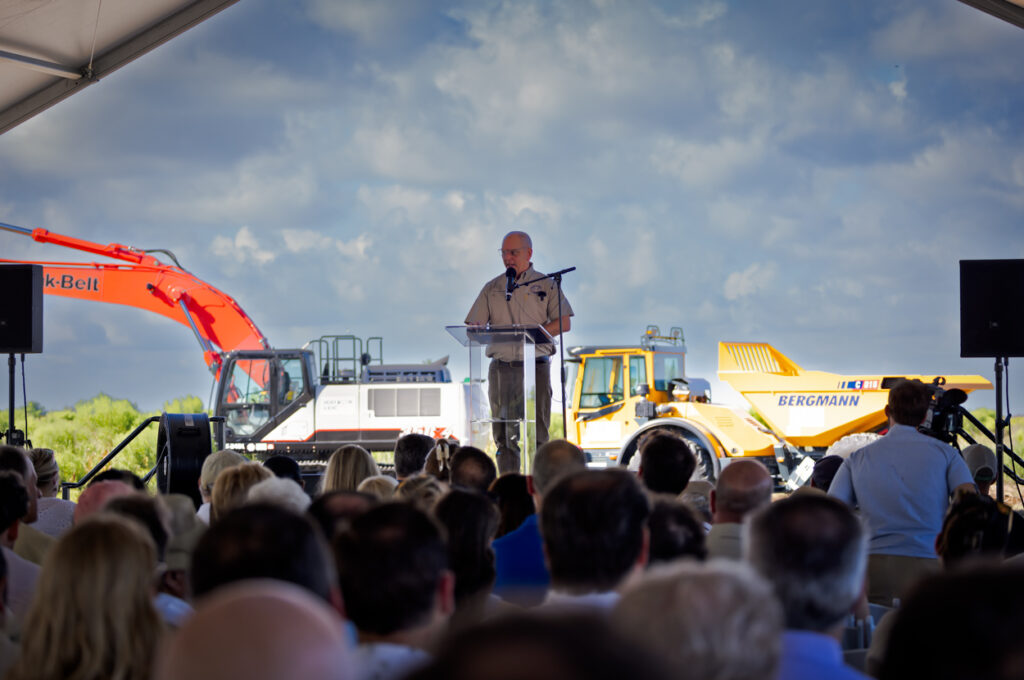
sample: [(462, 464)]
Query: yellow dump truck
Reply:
[(621, 392)]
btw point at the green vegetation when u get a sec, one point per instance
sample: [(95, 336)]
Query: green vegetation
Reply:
[(83, 434)]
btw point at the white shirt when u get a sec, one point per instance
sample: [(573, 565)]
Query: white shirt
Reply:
[(55, 516), (387, 661), (603, 602)]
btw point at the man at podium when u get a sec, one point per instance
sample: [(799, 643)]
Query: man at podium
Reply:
[(500, 303)]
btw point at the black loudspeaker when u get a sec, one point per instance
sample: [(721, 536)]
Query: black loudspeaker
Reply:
[(992, 308), (182, 445), (21, 309)]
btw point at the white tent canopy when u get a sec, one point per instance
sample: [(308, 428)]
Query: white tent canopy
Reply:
[(50, 49)]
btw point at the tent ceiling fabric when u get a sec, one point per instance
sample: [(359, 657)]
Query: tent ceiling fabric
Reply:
[(46, 45), (1007, 10)]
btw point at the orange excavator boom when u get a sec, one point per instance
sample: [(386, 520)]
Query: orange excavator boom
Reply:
[(216, 319)]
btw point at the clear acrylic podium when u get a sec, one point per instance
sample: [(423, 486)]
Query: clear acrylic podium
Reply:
[(518, 342)]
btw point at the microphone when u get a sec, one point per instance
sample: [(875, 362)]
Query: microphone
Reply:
[(510, 283)]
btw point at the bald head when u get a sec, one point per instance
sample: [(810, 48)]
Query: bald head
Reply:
[(743, 486), (298, 635), (96, 496)]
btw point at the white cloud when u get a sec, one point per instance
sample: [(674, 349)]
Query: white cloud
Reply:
[(899, 89), (407, 203), (753, 279), (303, 240), (542, 206), (692, 16), (706, 165), (372, 21), (243, 247), (355, 248)]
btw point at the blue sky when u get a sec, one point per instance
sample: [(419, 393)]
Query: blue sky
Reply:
[(802, 174)]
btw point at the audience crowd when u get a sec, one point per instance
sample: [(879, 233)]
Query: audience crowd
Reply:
[(894, 561)]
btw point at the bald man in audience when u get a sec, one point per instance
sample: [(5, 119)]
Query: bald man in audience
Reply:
[(97, 495), (259, 630), (743, 486)]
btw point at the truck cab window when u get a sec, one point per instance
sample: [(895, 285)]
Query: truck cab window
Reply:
[(667, 367), (637, 374), (602, 382)]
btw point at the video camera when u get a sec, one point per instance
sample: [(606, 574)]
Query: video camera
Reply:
[(945, 413)]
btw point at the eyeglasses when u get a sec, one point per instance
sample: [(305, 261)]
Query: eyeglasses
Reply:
[(514, 252)]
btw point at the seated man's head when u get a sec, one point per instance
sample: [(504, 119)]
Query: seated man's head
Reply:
[(149, 513), (593, 525), (14, 499), (472, 469), (286, 467), (554, 460), (676, 531), (14, 459), (743, 486), (98, 494), (667, 462), (908, 402), (813, 550), (393, 570), (824, 472), (120, 475), (263, 542), (715, 620), (333, 510), (411, 454)]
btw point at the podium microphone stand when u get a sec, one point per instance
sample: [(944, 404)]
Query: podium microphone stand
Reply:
[(557, 278)]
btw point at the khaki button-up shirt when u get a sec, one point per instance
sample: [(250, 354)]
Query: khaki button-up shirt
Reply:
[(536, 303)]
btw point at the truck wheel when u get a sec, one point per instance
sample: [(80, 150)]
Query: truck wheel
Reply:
[(705, 465)]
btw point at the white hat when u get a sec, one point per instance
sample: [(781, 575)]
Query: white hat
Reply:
[(982, 462)]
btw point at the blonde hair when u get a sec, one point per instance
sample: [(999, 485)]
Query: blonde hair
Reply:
[(47, 471), (232, 486), (93, 617), (422, 491), (381, 486), (347, 468)]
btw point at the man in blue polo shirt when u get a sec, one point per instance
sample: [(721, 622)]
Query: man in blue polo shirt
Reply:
[(522, 576), (901, 484)]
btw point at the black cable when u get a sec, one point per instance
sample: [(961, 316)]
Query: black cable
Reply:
[(24, 397), (1009, 426)]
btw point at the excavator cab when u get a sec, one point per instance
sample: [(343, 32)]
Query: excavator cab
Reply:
[(261, 388)]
